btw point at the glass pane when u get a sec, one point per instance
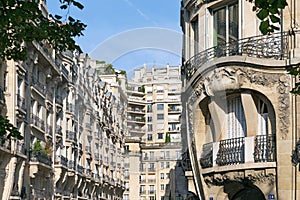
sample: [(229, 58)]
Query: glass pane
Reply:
[(220, 27), (233, 23)]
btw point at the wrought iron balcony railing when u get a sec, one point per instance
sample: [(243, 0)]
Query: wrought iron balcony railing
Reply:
[(40, 157), (21, 102), (38, 122), (274, 46), (236, 151), (38, 85)]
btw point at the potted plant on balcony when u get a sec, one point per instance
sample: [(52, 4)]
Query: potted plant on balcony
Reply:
[(40, 153)]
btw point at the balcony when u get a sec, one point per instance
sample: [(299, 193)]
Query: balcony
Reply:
[(37, 122), (71, 165), (38, 85), (80, 169), (258, 149), (40, 157), (5, 143), (61, 160), (70, 108), (88, 149), (274, 46), (70, 135), (21, 102), (58, 130)]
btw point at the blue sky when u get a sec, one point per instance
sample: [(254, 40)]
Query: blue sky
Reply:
[(129, 33)]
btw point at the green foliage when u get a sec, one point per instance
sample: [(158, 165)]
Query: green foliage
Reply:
[(268, 12), (23, 21), (7, 130), (39, 149), (295, 71), (168, 137)]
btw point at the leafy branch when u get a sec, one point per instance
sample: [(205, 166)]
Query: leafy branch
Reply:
[(7, 130), (23, 22), (268, 11)]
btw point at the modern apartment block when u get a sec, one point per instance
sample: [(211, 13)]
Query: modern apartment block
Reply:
[(153, 144), (241, 122)]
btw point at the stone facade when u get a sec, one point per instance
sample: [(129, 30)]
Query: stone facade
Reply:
[(241, 124), (70, 114)]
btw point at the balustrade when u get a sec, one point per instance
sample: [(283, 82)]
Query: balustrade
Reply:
[(265, 148), (261, 148)]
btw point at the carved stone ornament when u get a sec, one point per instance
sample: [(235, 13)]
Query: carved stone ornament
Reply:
[(256, 177), (232, 78)]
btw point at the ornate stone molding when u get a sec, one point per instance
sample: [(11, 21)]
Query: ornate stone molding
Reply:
[(231, 78), (255, 177)]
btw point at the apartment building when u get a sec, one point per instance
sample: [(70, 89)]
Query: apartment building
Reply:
[(240, 119), (153, 144), (71, 116)]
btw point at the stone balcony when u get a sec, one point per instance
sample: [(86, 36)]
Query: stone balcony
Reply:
[(237, 151)]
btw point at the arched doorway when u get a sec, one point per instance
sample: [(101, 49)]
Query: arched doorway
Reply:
[(242, 191)]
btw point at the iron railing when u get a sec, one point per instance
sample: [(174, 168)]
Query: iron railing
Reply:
[(38, 85), (40, 157), (21, 102), (273, 46), (265, 148), (231, 151), (38, 122)]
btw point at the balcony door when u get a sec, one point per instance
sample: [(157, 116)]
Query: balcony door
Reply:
[(235, 119), (225, 24)]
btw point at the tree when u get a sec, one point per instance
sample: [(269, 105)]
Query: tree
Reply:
[(268, 11), (7, 130), (22, 21)]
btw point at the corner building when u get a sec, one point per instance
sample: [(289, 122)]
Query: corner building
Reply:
[(240, 120)]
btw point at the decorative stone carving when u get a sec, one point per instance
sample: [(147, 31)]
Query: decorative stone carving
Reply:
[(231, 78), (255, 177)]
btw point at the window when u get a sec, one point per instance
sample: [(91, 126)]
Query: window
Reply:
[(126, 196), (162, 165), (160, 106), (160, 116), (167, 175), (142, 189), (226, 25), (127, 186), (151, 155), (167, 154), (263, 128), (162, 176), (162, 187), (151, 189), (149, 127), (149, 119), (195, 28), (149, 137), (167, 186), (236, 123), (126, 174), (167, 164), (160, 136), (149, 108), (152, 198)]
